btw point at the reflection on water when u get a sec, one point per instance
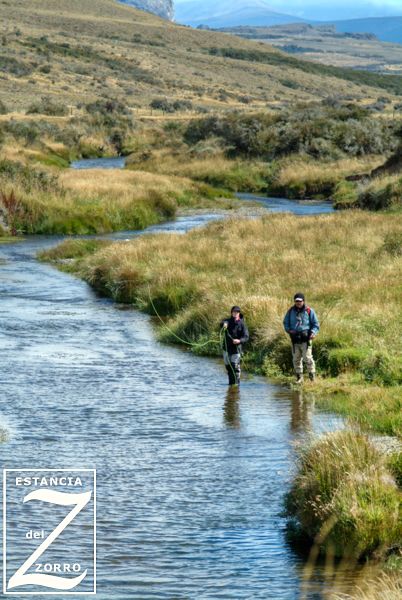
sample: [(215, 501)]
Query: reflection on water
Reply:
[(191, 473), (302, 412), (231, 409)]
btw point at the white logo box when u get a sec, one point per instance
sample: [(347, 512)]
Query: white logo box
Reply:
[(58, 501)]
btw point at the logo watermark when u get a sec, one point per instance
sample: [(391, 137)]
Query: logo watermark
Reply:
[(49, 531)]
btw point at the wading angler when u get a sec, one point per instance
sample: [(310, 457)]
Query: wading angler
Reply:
[(235, 333)]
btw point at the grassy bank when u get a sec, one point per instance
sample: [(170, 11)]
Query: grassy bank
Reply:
[(345, 498), (348, 265), (49, 201)]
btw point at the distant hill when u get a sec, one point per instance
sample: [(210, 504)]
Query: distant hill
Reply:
[(325, 45), (229, 13), (162, 8), (387, 29), (258, 13), (80, 50)]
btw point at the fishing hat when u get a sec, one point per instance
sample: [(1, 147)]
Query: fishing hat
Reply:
[(298, 296), (235, 309)]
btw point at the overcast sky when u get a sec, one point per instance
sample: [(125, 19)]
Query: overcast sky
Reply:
[(335, 9)]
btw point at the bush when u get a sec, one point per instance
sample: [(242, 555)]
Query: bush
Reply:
[(393, 244), (319, 132), (30, 179), (47, 106)]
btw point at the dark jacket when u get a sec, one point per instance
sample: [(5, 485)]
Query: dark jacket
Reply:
[(237, 330)]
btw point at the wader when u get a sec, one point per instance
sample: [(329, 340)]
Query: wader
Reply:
[(232, 364)]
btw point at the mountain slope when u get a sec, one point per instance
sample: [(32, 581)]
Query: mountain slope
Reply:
[(78, 51), (323, 44), (387, 29), (161, 8), (229, 14)]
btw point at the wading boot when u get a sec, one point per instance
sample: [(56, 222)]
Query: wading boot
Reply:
[(231, 375), (299, 378)]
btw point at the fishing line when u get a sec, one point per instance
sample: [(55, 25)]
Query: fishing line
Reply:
[(192, 344)]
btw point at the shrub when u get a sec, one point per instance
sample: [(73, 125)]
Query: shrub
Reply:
[(393, 244), (318, 131), (49, 107), (30, 179)]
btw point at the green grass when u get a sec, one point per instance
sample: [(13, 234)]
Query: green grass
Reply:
[(345, 499), (358, 351)]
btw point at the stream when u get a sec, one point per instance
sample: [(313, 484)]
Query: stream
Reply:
[(191, 474)]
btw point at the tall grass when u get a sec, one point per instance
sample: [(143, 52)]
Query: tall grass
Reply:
[(384, 587), (343, 263), (81, 202), (345, 499), (296, 177)]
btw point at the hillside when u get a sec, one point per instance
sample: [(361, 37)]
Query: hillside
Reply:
[(162, 8), (387, 29), (324, 44), (81, 50)]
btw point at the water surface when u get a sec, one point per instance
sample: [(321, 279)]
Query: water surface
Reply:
[(191, 474)]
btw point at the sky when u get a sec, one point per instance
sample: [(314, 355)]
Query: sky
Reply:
[(333, 9)]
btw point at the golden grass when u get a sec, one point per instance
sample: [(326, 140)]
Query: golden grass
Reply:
[(384, 587), (173, 61), (340, 262), (121, 183), (294, 171)]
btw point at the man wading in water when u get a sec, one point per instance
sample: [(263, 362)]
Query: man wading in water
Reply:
[(235, 334), (302, 325)]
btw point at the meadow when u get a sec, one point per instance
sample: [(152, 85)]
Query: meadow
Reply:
[(349, 266), (200, 115)]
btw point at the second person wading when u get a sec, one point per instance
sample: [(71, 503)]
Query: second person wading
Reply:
[(235, 333)]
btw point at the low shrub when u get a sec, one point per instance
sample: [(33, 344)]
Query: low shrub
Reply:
[(47, 106), (393, 244)]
